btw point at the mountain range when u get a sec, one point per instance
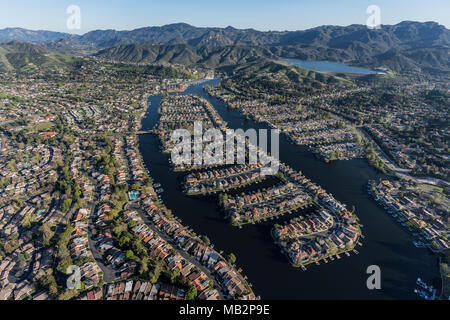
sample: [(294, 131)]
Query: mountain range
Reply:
[(405, 47)]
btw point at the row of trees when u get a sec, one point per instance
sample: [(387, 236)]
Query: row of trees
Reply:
[(374, 160)]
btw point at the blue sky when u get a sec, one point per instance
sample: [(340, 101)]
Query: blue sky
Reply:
[(257, 14)]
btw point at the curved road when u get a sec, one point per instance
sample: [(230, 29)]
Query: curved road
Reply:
[(400, 172)]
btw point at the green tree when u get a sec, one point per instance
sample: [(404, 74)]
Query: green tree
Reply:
[(66, 205), (136, 186), (68, 295), (231, 258), (206, 240), (64, 264), (191, 294), (174, 276), (143, 266), (77, 192), (63, 241), (19, 203), (48, 281), (47, 234), (124, 241), (155, 274), (130, 255), (27, 221)]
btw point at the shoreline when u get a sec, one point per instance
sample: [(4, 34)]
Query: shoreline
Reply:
[(175, 217), (219, 228), (295, 180)]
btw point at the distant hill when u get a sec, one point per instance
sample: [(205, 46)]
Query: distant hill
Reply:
[(20, 56), (184, 54), (9, 34), (261, 75), (284, 70), (407, 46)]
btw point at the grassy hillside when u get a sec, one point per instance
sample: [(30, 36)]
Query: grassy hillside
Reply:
[(21, 56), (282, 79), (287, 72)]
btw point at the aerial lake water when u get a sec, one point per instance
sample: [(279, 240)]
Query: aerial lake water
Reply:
[(327, 66), (386, 245)]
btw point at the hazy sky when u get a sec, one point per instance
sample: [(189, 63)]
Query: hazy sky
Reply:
[(257, 14)]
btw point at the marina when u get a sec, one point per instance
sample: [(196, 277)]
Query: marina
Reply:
[(254, 247), (425, 291)]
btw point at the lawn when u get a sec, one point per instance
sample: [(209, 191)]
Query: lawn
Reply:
[(45, 126)]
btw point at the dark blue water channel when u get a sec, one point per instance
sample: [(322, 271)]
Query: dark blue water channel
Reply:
[(386, 244)]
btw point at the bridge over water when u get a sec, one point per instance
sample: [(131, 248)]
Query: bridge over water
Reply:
[(142, 132)]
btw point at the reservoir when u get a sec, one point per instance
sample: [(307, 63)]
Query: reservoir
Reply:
[(386, 245), (327, 66)]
